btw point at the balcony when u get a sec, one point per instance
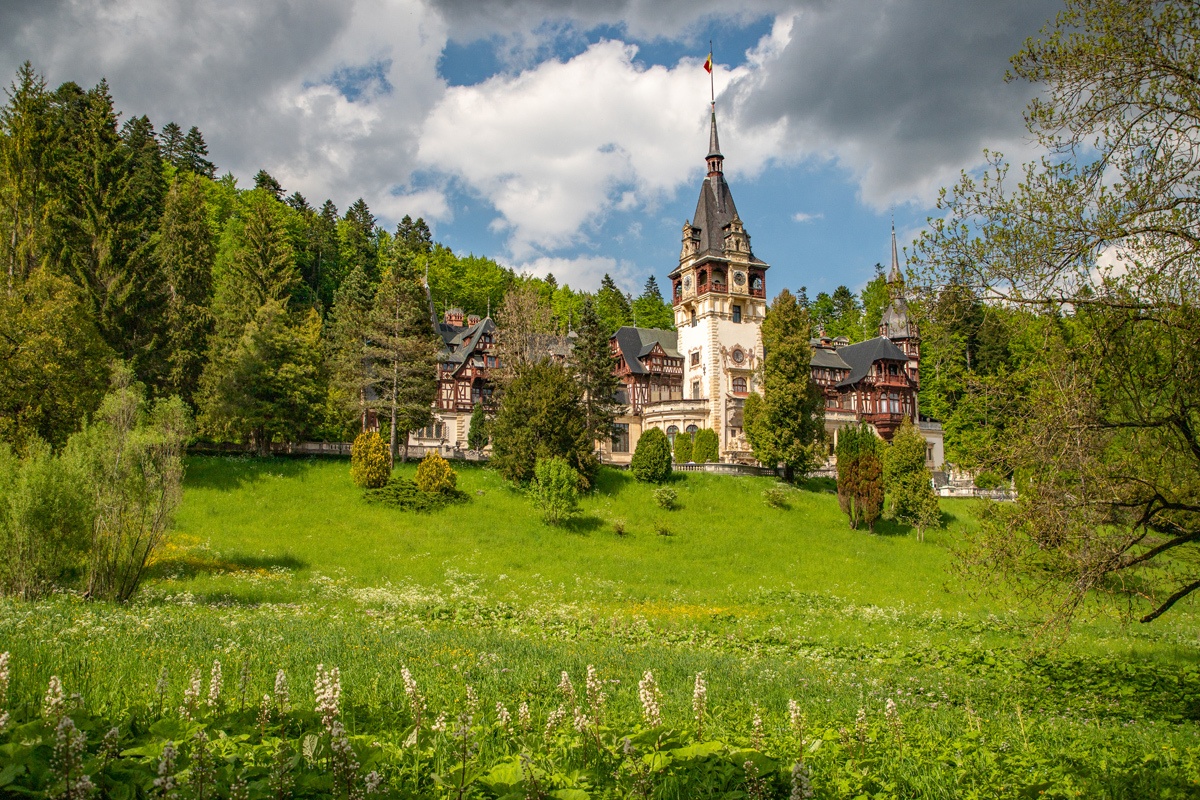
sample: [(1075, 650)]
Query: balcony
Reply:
[(758, 292), (704, 288)]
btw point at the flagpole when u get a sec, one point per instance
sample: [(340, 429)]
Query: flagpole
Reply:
[(712, 90)]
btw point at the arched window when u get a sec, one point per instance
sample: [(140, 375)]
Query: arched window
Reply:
[(672, 432), (691, 429), (739, 385)]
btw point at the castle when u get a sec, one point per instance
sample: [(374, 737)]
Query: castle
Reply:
[(699, 375)]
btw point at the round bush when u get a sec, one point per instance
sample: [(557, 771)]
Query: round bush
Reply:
[(435, 475), (370, 466), (666, 497), (652, 459)]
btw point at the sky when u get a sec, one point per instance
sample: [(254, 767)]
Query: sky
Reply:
[(568, 136)]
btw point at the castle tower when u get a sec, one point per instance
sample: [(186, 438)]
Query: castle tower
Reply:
[(896, 323), (719, 294)]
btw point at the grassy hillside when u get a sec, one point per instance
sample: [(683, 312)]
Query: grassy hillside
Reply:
[(279, 565)]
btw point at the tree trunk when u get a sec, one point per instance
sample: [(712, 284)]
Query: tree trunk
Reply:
[(395, 380)]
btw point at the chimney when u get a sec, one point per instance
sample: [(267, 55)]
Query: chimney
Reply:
[(473, 320), (454, 316)]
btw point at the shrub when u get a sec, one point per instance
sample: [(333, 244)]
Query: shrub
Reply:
[(988, 480), (370, 464), (776, 497), (555, 489), (477, 434), (707, 446), (652, 459), (665, 497), (683, 448), (403, 494), (661, 529), (435, 475), (619, 527)]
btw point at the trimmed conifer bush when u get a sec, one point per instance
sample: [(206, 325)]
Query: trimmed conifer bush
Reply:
[(435, 475), (370, 466), (652, 459), (707, 446), (683, 448)]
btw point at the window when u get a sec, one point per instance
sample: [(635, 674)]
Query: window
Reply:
[(693, 317), (491, 361), (737, 313), (894, 403), (928, 452), (620, 437), (691, 430), (433, 431), (672, 432), (696, 359), (739, 386), (695, 390)]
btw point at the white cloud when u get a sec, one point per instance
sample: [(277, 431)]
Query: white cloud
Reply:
[(584, 272), (803, 216), (556, 147)]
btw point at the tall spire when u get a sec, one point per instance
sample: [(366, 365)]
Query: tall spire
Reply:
[(894, 276), (714, 156)]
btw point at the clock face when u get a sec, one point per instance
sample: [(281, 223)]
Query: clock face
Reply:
[(687, 281), (738, 356), (739, 278)]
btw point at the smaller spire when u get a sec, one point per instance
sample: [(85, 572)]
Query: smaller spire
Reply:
[(894, 276), (714, 157)]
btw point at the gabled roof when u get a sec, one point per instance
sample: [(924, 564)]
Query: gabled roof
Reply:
[(828, 359), (863, 355), (637, 343), (460, 343), (714, 212)]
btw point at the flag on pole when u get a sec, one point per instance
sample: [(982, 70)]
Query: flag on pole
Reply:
[(708, 64)]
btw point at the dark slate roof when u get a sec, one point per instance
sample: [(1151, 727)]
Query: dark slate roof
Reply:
[(861, 356), (714, 211), (635, 343), (828, 359), (460, 343), (895, 320)]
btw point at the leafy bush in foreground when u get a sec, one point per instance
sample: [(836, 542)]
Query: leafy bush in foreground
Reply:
[(555, 490), (435, 475), (370, 464), (651, 461)]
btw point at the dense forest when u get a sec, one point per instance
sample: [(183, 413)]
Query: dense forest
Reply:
[(120, 242)]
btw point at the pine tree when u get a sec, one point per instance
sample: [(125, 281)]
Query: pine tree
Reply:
[(612, 305), (402, 350), (186, 251), (540, 416), (593, 362), (358, 240), (194, 154), (170, 140), (477, 433), (263, 266), (27, 133), (345, 344), (650, 311), (788, 425), (265, 181), (414, 236)]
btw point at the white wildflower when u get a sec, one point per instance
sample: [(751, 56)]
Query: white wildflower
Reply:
[(581, 720), (700, 703), (796, 717), (373, 782), (214, 685), (472, 701), (161, 688), (651, 697), (503, 716), (282, 695), (567, 689), (4, 678), (191, 697), (757, 725), (860, 725), (54, 704), (328, 691), (69, 752), (801, 783), (166, 786), (416, 703), (264, 712), (555, 719), (595, 693), (439, 724), (523, 717)]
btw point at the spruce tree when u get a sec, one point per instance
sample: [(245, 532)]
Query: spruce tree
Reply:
[(265, 181), (650, 310), (345, 343), (612, 305), (27, 133), (193, 156), (593, 361), (477, 433), (402, 351), (541, 416), (358, 239), (414, 236), (788, 425), (170, 140)]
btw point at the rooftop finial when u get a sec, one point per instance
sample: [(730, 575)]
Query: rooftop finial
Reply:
[(894, 276)]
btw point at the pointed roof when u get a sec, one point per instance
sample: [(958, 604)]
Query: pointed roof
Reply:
[(895, 276), (637, 343), (714, 146), (861, 355)]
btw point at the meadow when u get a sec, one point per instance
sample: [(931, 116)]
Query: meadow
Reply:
[(868, 659)]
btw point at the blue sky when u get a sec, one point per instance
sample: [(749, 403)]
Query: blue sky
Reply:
[(568, 136)]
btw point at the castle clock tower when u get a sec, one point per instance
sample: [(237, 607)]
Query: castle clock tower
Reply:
[(719, 292)]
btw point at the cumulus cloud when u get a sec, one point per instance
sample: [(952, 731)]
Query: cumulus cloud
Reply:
[(328, 97), (582, 273), (555, 148), (804, 216)]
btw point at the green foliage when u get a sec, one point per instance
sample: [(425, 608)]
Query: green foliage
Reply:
[(706, 448), (613, 306), (475, 284), (875, 298), (651, 462), (986, 479), (787, 425), (649, 310), (683, 447), (776, 497), (541, 417), (908, 481), (55, 365), (435, 475), (370, 463), (859, 475), (555, 490), (477, 433), (593, 361), (403, 494), (666, 498)]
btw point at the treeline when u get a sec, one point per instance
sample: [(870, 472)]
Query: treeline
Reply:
[(121, 243)]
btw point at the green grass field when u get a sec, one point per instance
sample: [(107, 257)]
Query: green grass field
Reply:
[(279, 564)]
